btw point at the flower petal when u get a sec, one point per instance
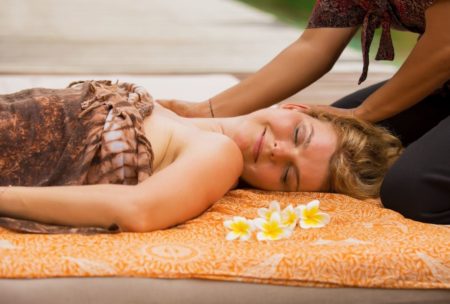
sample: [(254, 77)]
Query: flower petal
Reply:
[(239, 219), (262, 212), (252, 225), (289, 208), (297, 210), (313, 205), (276, 216), (325, 218), (260, 236), (289, 216), (245, 237), (319, 220), (276, 237), (302, 209), (287, 232), (291, 225), (304, 224), (275, 206), (232, 236), (228, 223), (259, 223)]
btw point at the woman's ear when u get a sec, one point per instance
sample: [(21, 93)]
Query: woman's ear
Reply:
[(296, 106)]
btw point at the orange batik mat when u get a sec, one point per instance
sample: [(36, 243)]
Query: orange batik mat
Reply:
[(363, 245)]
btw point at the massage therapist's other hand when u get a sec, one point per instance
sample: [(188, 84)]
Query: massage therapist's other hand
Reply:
[(186, 108)]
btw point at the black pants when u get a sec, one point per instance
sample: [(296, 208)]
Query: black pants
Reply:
[(418, 184)]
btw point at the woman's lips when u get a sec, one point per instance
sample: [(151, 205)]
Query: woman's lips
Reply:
[(258, 145)]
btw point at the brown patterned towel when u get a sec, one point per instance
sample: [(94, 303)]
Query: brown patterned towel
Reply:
[(88, 133)]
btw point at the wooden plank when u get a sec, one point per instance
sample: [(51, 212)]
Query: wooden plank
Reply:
[(149, 37)]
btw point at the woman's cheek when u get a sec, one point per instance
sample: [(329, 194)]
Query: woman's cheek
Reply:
[(242, 141), (265, 176)]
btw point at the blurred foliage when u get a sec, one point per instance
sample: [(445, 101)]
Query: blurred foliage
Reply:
[(296, 13)]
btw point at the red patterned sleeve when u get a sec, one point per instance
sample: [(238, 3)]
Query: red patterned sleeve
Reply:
[(336, 13)]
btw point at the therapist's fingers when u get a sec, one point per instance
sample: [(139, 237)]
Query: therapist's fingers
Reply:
[(182, 107), (333, 110)]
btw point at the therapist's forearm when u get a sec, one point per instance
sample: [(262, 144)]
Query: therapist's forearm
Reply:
[(299, 65), (426, 69), (276, 81), (416, 79)]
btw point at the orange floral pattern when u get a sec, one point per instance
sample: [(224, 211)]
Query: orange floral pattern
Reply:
[(363, 245)]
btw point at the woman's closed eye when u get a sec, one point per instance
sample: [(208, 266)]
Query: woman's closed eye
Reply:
[(289, 176), (285, 175), (299, 134)]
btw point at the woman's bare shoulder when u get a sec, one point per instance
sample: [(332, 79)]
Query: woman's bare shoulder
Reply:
[(206, 168), (214, 162), (217, 149)]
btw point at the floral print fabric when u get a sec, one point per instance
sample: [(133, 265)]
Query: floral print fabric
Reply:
[(363, 245)]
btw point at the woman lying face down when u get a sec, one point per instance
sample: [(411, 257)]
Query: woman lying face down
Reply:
[(194, 161)]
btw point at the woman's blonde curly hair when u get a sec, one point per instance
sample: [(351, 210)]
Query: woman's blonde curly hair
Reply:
[(363, 155)]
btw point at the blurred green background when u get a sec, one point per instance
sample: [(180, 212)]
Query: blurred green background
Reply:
[(296, 13)]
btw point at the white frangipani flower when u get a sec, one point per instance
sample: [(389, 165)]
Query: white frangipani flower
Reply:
[(290, 216), (272, 229), (311, 217), (274, 224), (240, 228), (266, 213)]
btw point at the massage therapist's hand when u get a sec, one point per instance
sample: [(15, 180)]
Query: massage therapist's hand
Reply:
[(333, 110), (186, 108)]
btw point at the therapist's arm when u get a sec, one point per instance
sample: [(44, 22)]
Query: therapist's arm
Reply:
[(426, 69), (296, 67)]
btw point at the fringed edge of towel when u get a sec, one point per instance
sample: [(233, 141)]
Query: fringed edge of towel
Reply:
[(25, 226)]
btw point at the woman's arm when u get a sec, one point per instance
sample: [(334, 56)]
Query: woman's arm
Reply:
[(426, 69), (186, 188), (87, 205), (296, 67), (177, 193)]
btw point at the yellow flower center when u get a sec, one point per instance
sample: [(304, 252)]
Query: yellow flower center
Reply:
[(240, 228), (312, 217), (272, 229), (290, 219), (269, 215)]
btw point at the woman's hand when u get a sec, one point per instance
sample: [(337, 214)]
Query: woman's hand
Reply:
[(186, 108), (3, 190)]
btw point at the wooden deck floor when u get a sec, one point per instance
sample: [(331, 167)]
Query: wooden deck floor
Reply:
[(154, 37)]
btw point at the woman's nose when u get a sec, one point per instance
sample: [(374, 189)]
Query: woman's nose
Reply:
[(280, 150)]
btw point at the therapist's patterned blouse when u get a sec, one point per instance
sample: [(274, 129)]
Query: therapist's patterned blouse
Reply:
[(371, 14)]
